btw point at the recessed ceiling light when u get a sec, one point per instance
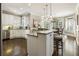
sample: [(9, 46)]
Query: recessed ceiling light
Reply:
[(29, 4), (21, 8)]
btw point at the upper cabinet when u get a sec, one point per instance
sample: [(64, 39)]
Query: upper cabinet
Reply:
[(25, 22), (10, 20)]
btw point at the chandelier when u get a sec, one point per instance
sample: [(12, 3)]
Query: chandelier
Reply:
[(48, 11)]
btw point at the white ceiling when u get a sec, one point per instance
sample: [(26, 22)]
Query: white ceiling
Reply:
[(58, 9)]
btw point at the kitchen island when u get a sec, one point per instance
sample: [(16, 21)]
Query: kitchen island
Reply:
[(40, 43)]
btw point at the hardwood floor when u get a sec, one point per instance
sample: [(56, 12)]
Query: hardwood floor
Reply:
[(15, 47)]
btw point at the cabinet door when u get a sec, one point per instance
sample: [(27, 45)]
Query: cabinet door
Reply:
[(10, 20), (5, 19), (41, 45), (16, 21), (17, 33), (52, 43), (32, 46), (49, 44)]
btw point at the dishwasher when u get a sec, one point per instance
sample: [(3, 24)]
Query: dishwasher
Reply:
[(5, 34)]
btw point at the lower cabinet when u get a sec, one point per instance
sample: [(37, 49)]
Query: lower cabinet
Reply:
[(32, 46), (18, 33), (41, 45)]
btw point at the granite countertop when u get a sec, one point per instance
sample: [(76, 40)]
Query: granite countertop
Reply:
[(18, 29), (40, 32), (45, 32)]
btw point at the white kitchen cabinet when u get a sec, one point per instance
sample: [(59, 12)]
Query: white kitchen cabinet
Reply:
[(26, 21), (5, 19), (18, 33), (49, 44), (41, 45), (8, 19), (32, 46)]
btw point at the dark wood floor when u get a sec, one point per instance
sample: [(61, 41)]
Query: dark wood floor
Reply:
[(14, 47)]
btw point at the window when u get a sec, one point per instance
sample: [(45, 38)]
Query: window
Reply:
[(70, 24)]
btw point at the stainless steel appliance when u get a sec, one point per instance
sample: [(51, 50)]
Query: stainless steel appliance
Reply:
[(5, 34)]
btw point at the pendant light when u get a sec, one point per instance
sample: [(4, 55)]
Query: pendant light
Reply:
[(46, 11), (50, 11)]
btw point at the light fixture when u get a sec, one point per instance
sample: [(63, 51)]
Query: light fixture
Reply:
[(50, 17), (45, 11), (29, 4), (21, 8), (47, 16), (50, 9)]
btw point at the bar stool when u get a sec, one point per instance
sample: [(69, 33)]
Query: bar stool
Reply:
[(58, 45)]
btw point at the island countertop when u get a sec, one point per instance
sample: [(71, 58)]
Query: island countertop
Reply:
[(35, 33), (45, 32)]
